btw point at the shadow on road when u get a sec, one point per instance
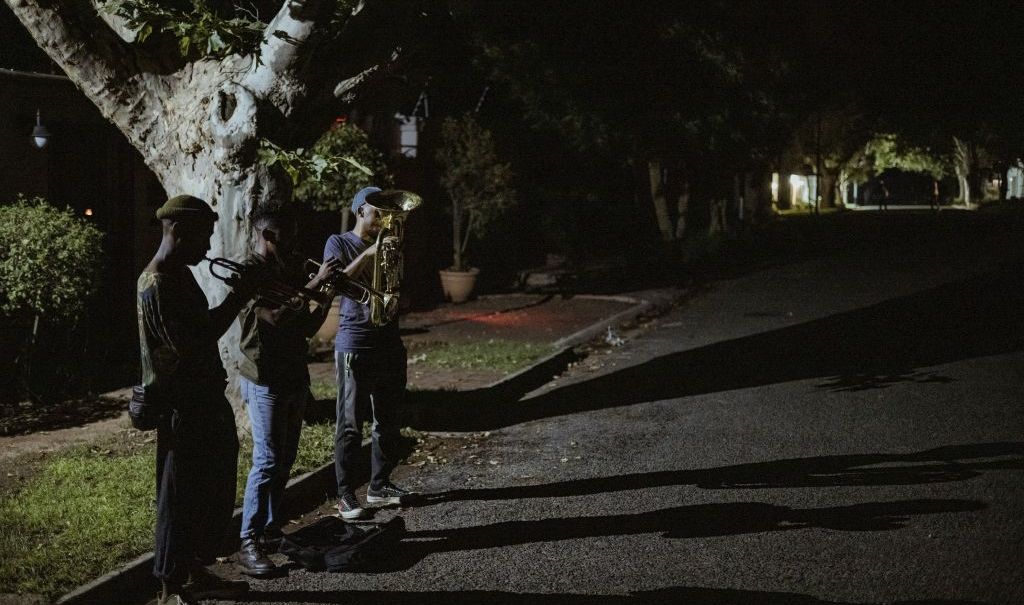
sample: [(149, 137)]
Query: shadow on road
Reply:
[(869, 348), (696, 521), (943, 464), (675, 594), (681, 522)]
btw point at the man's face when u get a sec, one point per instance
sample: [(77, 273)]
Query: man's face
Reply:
[(372, 218), (194, 239), (281, 238)]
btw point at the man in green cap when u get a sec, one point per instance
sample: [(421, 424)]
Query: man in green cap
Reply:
[(197, 446)]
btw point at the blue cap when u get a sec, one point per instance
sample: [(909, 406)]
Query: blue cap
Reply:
[(360, 198)]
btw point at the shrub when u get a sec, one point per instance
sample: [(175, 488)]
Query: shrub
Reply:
[(49, 261)]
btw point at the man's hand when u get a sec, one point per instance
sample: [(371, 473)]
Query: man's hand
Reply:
[(328, 270)]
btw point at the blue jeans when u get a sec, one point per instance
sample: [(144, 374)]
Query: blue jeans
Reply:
[(276, 416)]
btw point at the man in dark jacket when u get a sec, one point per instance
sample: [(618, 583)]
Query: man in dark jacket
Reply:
[(197, 447)]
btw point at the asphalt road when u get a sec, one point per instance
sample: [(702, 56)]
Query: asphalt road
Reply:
[(842, 430)]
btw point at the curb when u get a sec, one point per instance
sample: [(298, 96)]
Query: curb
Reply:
[(134, 581)]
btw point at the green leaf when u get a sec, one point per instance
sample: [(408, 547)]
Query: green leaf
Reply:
[(361, 167), (214, 43), (183, 45)]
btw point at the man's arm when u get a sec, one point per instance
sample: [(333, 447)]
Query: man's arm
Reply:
[(222, 316), (355, 265), (360, 264)]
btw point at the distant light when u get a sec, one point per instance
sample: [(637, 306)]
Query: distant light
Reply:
[(796, 180), (40, 135), (88, 212), (775, 186)]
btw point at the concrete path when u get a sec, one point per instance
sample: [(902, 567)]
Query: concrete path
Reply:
[(843, 430)]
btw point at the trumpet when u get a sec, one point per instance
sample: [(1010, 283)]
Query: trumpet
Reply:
[(271, 290), (341, 283)]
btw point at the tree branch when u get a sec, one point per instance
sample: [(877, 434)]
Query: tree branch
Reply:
[(284, 52)]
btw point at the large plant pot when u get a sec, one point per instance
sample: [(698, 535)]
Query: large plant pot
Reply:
[(458, 285)]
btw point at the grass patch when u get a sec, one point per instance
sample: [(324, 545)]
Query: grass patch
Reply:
[(324, 389), (501, 355), (90, 509), (86, 512)]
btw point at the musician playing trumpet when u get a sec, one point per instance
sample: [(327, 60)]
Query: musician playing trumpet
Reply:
[(197, 447), (274, 378), (370, 366)]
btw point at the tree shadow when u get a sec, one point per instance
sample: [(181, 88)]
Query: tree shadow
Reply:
[(674, 594), (680, 522), (21, 418), (938, 465), (864, 382), (872, 347)]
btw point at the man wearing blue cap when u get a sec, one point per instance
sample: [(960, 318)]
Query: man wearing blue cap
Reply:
[(370, 364)]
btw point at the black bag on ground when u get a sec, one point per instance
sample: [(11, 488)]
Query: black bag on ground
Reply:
[(332, 545)]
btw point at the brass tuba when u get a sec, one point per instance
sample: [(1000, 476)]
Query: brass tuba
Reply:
[(393, 206)]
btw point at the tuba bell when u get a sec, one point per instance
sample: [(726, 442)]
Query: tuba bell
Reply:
[(393, 206)]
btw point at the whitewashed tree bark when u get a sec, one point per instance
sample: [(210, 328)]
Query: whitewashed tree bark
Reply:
[(654, 173), (198, 124)]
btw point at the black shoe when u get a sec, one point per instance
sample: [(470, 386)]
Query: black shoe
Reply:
[(389, 493), (348, 507), (251, 559)]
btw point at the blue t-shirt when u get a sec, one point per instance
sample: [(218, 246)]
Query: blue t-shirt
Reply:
[(355, 332)]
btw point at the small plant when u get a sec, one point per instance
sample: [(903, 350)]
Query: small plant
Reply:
[(478, 185)]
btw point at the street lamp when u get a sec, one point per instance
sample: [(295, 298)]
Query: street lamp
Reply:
[(40, 135)]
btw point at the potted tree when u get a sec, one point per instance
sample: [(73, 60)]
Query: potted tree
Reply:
[(479, 188)]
